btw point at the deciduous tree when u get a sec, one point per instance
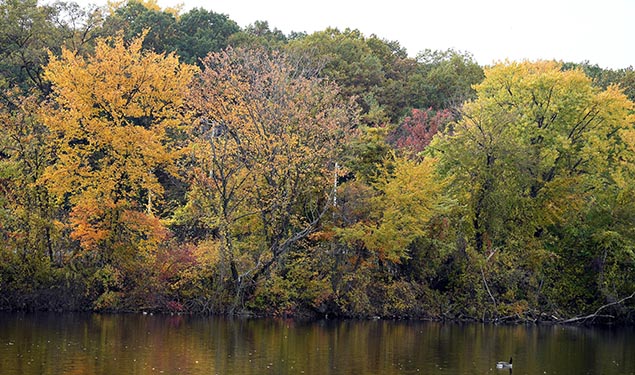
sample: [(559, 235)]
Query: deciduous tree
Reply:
[(27, 31), (131, 18), (28, 215), (409, 197), (536, 149), (202, 32), (418, 129), (111, 115), (271, 139)]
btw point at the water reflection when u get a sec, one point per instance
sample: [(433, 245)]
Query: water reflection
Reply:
[(144, 344)]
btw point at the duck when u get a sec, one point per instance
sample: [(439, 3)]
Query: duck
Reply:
[(504, 364)]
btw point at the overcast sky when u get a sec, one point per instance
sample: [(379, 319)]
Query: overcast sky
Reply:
[(600, 31)]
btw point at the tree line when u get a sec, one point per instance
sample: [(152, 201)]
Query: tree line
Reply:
[(164, 161)]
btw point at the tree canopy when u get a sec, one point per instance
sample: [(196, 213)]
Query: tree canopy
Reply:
[(159, 160)]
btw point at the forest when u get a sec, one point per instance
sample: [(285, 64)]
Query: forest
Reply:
[(165, 161)]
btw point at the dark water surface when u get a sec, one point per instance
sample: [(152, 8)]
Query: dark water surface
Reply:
[(143, 344)]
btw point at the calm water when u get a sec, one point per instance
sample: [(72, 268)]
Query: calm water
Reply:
[(142, 344)]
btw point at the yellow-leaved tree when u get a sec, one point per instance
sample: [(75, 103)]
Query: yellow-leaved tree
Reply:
[(408, 197), (538, 160), (111, 115)]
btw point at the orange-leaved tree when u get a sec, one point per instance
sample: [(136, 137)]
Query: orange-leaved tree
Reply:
[(270, 135), (111, 116)]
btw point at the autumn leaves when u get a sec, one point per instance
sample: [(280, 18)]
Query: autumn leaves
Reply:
[(267, 161), (111, 116), (150, 182), (257, 137)]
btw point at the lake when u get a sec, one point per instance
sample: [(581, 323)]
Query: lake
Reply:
[(69, 343)]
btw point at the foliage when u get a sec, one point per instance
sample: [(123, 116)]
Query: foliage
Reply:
[(111, 116), (418, 129), (537, 149), (191, 35), (202, 32), (134, 17), (258, 35), (444, 79), (408, 199), (26, 33), (303, 175), (603, 78), (270, 138), (368, 153), (369, 69), (28, 215), (78, 26)]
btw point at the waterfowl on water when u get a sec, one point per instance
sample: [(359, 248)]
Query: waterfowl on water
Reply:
[(505, 364)]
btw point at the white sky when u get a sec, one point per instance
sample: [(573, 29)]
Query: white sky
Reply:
[(600, 31)]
